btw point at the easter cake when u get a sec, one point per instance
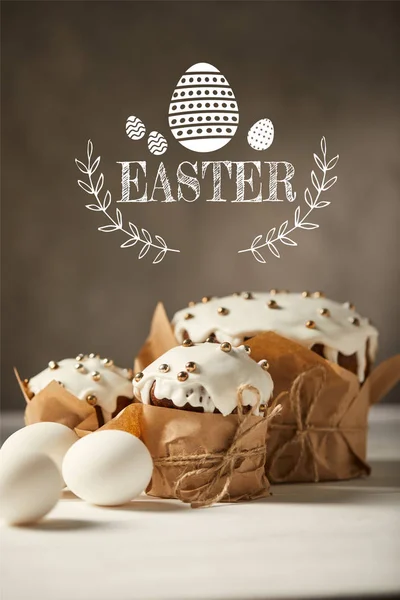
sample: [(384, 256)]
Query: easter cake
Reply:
[(207, 377), (94, 380), (334, 331)]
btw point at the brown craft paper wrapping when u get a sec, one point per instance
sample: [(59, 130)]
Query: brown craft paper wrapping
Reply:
[(54, 403), (195, 451), (321, 432), (161, 338)]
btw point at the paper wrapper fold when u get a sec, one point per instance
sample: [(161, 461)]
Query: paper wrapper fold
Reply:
[(321, 432), (161, 338), (201, 458)]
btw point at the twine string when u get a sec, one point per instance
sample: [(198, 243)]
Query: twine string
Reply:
[(302, 428), (219, 467)]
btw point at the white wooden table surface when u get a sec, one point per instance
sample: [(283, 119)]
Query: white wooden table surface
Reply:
[(306, 541)]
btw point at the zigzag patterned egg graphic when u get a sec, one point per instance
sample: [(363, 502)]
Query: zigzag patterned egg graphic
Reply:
[(157, 143), (261, 134), (134, 128), (203, 114)]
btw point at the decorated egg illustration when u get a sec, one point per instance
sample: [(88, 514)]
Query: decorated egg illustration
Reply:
[(203, 113), (157, 143), (134, 128), (261, 134)]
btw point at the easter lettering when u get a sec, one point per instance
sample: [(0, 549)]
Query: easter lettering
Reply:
[(253, 181)]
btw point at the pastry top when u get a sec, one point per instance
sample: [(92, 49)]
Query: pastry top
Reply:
[(206, 375), (88, 377), (307, 318)]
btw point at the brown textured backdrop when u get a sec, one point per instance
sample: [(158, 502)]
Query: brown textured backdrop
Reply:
[(77, 70)]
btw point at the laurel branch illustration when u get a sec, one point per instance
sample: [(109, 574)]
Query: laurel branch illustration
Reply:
[(271, 239), (134, 236)]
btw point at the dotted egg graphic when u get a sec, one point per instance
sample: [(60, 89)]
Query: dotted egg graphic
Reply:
[(134, 128), (157, 143), (203, 113), (261, 134)]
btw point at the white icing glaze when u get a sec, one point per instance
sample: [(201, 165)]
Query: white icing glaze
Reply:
[(214, 383), (113, 382), (331, 354), (373, 347), (248, 317)]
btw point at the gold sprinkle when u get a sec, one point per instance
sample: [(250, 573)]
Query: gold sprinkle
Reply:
[(325, 312), (94, 355), (237, 294), (247, 295), (206, 299), (91, 399), (79, 357), (211, 339), (355, 321), (164, 368), (262, 408), (188, 316), (318, 295), (191, 366), (274, 291), (264, 364), (182, 376), (95, 375), (191, 303), (26, 381), (79, 367), (272, 304), (226, 347), (53, 365), (247, 349), (138, 376), (61, 383), (187, 343), (311, 325), (129, 374), (349, 305), (223, 311), (108, 362), (305, 294)]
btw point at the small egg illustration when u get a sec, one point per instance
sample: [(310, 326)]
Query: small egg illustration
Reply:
[(157, 143), (135, 128), (261, 134), (203, 114)]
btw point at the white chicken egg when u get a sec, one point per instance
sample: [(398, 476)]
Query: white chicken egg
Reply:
[(108, 467), (52, 439), (30, 486), (203, 113), (261, 134)]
